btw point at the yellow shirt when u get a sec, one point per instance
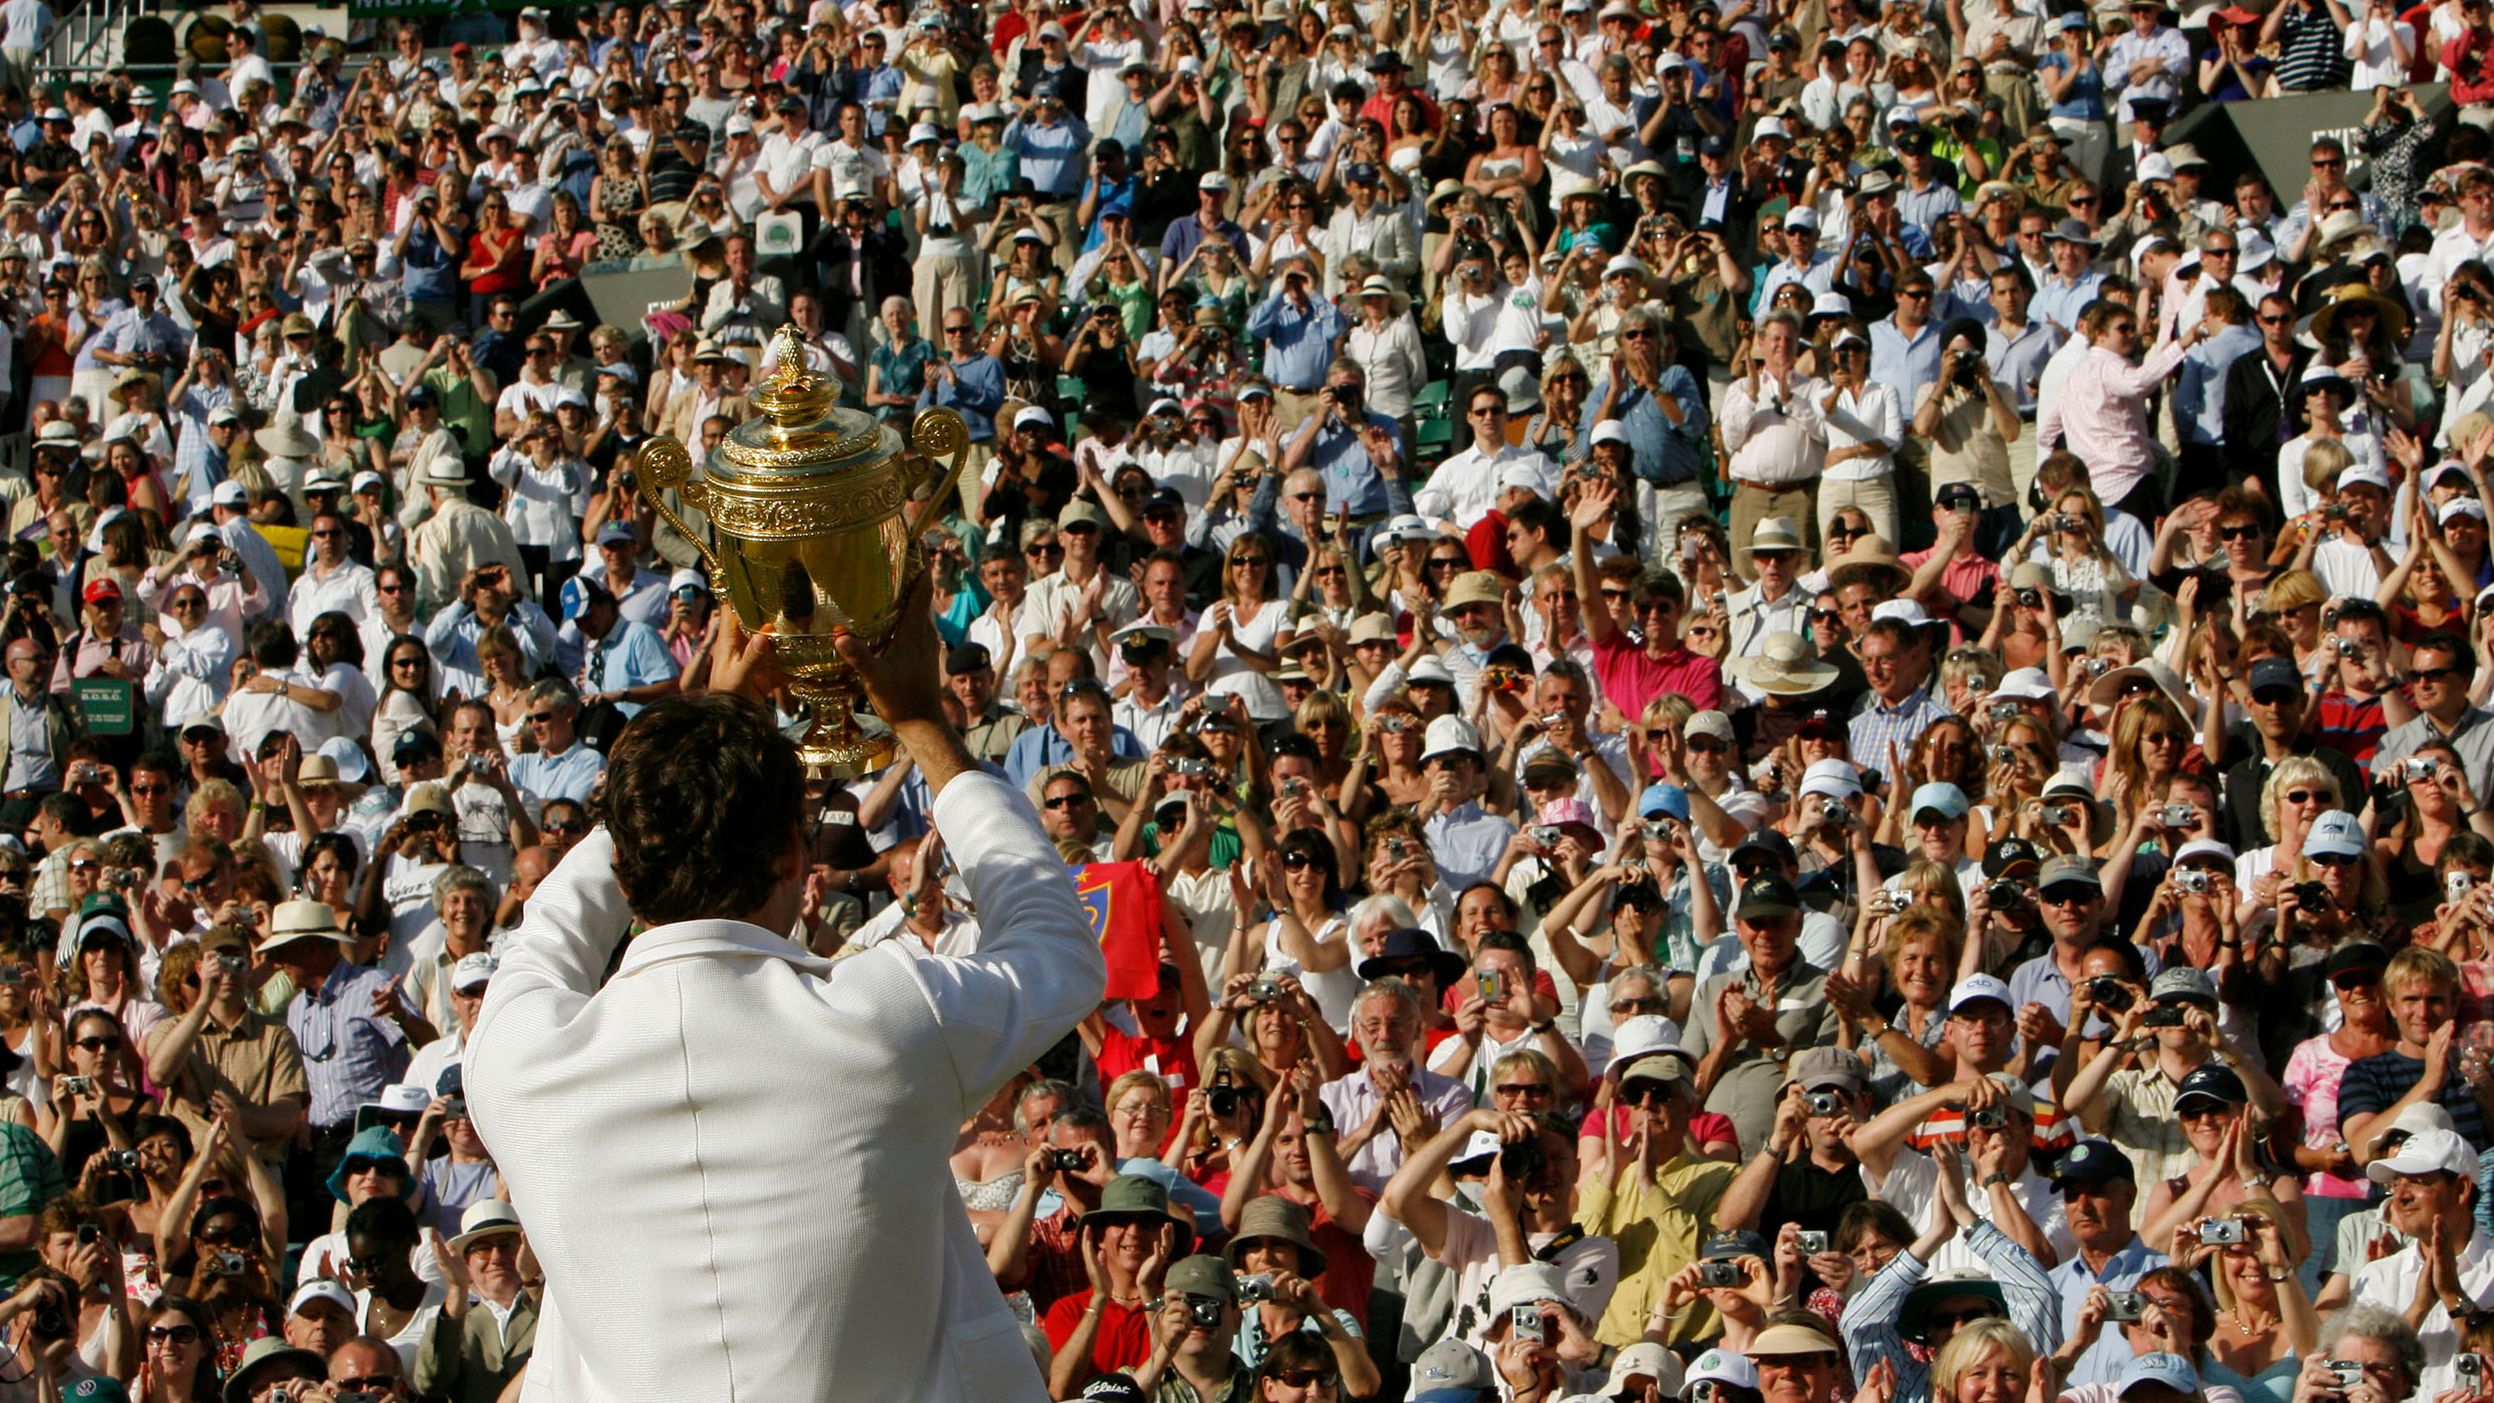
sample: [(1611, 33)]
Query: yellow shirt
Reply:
[(1659, 1226)]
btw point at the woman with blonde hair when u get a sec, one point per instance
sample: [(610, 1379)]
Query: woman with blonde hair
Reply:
[(2022, 758), (2265, 1321), (1985, 1361), (1215, 1121), (2150, 737), (1921, 952), (1140, 1109), (2294, 600), (2298, 791), (2081, 565), (216, 810), (1325, 718), (1234, 650), (1387, 773), (1277, 1032)]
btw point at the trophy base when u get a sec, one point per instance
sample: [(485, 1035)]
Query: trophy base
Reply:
[(848, 752)]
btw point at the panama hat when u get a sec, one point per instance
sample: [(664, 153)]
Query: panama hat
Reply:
[(294, 921), (1775, 533), (487, 1217), (1786, 666), (1869, 559)]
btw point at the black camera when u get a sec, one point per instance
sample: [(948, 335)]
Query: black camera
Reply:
[(1223, 1095), (1987, 1118), (2312, 894), (2164, 1016), (2002, 895), (1065, 1160), (2109, 994), (1204, 1311), (2031, 598), (1521, 1160)]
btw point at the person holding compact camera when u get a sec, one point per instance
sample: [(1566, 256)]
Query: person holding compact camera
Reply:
[(1802, 1177), (2176, 1040), (1194, 1329), (1529, 1210)]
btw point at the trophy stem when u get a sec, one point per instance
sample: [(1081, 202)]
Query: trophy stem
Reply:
[(838, 744)]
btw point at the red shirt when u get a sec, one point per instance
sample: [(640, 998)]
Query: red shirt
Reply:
[(1380, 107), (1054, 1269), (1122, 1052), (1125, 1337), (1486, 543), (1630, 679)]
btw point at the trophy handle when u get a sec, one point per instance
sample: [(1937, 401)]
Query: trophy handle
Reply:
[(936, 434), (667, 463)]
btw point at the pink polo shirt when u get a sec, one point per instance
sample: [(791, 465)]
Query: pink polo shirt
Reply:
[(1630, 679)]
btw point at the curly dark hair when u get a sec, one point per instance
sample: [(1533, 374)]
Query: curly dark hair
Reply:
[(702, 797)]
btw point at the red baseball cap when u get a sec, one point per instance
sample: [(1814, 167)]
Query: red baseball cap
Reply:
[(101, 589)]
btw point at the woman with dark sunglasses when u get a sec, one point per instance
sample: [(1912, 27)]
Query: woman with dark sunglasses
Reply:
[(181, 1346), (95, 1104)]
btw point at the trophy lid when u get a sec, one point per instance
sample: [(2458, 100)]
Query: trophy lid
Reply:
[(802, 431)]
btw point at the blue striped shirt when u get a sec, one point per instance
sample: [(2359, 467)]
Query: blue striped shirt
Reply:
[(349, 1053)]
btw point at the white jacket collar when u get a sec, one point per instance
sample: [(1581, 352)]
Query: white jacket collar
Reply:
[(687, 939)]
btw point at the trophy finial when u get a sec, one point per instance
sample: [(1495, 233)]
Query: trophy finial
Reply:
[(792, 395)]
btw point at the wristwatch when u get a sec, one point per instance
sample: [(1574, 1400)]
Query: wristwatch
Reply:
[(1323, 1125)]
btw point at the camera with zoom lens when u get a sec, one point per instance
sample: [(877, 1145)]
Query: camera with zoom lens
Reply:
[(1203, 1311), (1521, 1159), (2109, 994), (1713, 1276), (2003, 894), (2192, 881), (1986, 1118), (1065, 1160), (1222, 1096), (1824, 1103), (2223, 1232), (1255, 1289)]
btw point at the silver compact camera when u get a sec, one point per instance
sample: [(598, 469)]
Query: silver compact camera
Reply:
[(2223, 1232), (2191, 880)]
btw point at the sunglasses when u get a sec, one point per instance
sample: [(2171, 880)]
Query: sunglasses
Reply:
[(173, 1334), (2239, 533), (1297, 861), (1521, 1088), (1067, 801), (1630, 1008), (540, 718)]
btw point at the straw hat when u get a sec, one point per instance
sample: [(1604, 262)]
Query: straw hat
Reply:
[(487, 1217), (1775, 533), (286, 441), (294, 921), (1786, 666), (1870, 558), (2353, 295)]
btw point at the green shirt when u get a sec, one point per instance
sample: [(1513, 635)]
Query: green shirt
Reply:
[(30, 1178)]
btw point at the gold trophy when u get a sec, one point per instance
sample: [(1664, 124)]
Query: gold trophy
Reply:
[(811, 509)]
